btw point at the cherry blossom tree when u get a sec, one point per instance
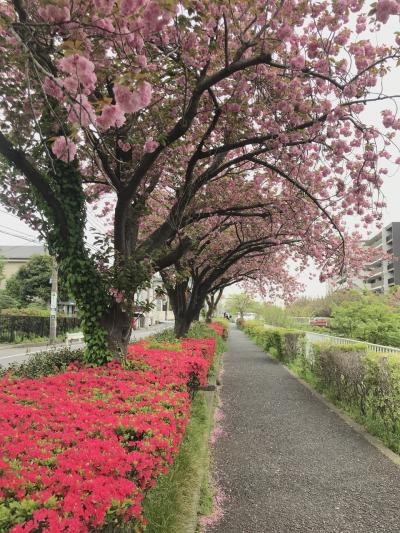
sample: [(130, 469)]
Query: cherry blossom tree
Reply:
[(255, 247), (141, 98)]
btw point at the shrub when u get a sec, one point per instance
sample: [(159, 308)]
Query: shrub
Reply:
[(340, 369), (366, 381), (382, 380), (240, 323), (44, 363), (192, 360), (284, 343), (224, 323)]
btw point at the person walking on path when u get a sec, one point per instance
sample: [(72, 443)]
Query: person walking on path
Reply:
[(287, 463)]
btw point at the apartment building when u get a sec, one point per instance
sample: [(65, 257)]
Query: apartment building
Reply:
[(380, 275), (162, 310)]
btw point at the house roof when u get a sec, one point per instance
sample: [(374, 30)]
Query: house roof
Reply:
[(21, 252)]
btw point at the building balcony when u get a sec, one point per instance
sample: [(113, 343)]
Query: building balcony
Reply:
[(374, 264), (378, 288), (378, 272)]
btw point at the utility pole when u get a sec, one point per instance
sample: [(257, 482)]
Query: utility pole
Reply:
[(53, 302)]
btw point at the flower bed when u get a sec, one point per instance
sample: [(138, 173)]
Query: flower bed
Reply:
[(191, 362), (218, 328), (79, 449)]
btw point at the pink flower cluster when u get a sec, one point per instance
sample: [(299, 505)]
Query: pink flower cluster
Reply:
[(218, 328), (385, 8), (64, 149), (87, 443), (192, 360)]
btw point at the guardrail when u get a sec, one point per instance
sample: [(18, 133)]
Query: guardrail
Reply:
[(312, 337), (342, 340)]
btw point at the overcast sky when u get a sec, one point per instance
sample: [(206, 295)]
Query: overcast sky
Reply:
[(22, 234)]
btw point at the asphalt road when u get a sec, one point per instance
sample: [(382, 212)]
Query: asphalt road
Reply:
[(17, 353), (287, 463)]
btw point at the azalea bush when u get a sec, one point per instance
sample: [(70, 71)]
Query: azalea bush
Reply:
[(219, 328), (190, 362), (79, 449)]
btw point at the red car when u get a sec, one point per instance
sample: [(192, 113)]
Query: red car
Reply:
[(319, 321)]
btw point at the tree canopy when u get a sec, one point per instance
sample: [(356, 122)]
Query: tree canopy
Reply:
[(146, 106)]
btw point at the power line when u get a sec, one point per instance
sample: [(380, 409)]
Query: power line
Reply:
[(17, 231), (96, 224), (19, 236)]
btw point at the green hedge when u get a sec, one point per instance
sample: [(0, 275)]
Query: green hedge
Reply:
[(339, 369), (285, 344), (382, 379)]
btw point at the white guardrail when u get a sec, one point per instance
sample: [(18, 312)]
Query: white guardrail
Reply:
[(311, 336), (316, 337)]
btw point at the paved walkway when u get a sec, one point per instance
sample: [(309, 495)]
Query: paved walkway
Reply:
[(289, 464)]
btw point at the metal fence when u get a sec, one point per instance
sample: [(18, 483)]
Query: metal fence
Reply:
[(311, 337), (17, 328), (315, 337)]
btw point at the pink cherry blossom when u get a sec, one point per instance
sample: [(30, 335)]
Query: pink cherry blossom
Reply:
[(385, 8), (53, 13), (81, 68), (130, 6), (111, 116), (82, 112), (125, 147), (284, 32), (233, 107), (145, 93), (52, 88), (130, 102), (104, 6), (150, 146), (388, 118), (64, 149), (297, 62)]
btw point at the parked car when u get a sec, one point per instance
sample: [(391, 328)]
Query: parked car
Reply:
[(321, 321)]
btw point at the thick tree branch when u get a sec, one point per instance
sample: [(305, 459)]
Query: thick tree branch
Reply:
[(36, 179)]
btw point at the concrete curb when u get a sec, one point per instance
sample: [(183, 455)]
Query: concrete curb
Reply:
[(358, 428)]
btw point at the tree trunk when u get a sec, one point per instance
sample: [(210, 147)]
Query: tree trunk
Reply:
[(212, 303), (210, 307), (118, 326), (182, 325)]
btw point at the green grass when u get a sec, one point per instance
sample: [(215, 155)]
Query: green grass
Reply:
[(170, 506)]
